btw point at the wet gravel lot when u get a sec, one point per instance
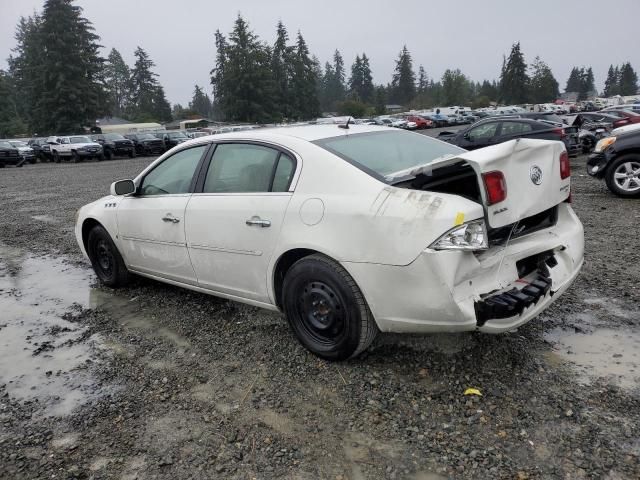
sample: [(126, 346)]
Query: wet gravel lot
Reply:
[(157, 382)]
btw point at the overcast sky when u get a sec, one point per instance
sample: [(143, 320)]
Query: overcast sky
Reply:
[(470, 35)]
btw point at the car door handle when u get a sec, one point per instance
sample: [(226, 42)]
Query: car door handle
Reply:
[(257, 221), (170, 218)]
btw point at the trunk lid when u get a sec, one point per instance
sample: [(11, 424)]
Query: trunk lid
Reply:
[(531, 170)]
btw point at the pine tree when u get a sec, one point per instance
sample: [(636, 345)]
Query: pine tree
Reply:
[(244, 87), (25, 73), (367, 89), (514, 81), (588, 83), (423, 81), (200, 103), (574, 82), (148, 101), (217, 75), (403, 82), (489, 90), (117, 76), (356, 81), (69, 84), (456, 88), (380, 100), (333, 84), (628, 83), (303, 83), (281, 69), (10, 122), (611, 84), (543, 85)]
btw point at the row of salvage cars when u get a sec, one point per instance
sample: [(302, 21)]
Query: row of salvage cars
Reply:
[(348, 230)]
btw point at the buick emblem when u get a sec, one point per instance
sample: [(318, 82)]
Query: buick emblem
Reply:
[(536, 175)]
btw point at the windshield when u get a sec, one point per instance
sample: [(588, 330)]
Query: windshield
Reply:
[(114, 136), (177, 135), (5, 145), (80, 140), (384, 153), (146, 136), (18, 143)]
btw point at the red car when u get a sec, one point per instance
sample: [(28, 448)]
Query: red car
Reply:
[(626, 117), (421, 122)]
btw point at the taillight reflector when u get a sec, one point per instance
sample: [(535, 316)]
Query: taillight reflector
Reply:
[(565, 165), (560, 131), (495, 186)]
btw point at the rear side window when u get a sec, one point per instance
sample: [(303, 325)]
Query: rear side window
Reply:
[(515, 128), (247, 168)]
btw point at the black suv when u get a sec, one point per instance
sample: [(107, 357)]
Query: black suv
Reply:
[(114, 144), (146, 143), (9, 155), (41, 148), (171, 139)]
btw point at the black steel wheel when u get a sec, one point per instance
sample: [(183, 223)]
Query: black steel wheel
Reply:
[(326, 310), (106, 259)]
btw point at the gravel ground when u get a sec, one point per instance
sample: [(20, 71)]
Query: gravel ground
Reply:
[(157, 382)]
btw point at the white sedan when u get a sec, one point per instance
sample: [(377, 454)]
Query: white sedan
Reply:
[(348, 231)]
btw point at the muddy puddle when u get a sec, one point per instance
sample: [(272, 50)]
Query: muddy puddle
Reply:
[(597, 351), (43, 356)]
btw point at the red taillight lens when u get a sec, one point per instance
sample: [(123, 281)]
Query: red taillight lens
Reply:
[(565, 165), (496, 187), (560, 131)]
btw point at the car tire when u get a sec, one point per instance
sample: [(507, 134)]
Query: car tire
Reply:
[(326, 310), (75, 158), (132, 154), (108, 154), (56, 157), (625, 165), (106, 259)]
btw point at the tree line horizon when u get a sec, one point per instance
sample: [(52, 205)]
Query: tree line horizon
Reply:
[(57, 81)]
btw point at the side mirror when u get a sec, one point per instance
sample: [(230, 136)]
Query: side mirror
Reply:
[(122, 187)]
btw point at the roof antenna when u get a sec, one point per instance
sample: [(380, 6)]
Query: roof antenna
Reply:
[(346, 125)]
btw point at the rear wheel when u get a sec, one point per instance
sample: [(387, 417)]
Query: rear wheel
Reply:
[(623, 176), (326, 309), (56, 157), (75, 158), (106, 259), (132, 153)]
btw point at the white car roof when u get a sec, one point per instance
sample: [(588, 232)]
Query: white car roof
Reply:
[(309, 133)]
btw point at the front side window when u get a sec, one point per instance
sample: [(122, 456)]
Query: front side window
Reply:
[(241, 168), (173, 175)]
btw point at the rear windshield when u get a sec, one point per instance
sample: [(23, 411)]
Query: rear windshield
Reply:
[(384, 153)]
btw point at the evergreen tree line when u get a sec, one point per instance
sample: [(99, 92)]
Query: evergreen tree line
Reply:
[(621, 80), (57, 82)]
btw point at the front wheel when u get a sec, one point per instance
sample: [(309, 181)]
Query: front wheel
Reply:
[(106, 259), (75, 158), (623, 176), (326, 309), (132, 154), (56, 157)]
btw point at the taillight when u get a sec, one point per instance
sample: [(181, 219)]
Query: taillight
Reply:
[(560, 131), (565, 165), (495, 186)]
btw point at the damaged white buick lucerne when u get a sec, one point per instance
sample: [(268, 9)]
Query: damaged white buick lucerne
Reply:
[(348, 230)]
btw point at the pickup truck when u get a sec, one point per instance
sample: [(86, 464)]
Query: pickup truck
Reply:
[(76, 148)]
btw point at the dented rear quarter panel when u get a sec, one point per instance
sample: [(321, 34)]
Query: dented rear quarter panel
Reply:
[(364, 219)]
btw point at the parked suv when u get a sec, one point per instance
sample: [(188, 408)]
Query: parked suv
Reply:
[(76, 148), (114, 144), (26, 152), (41, 149), (146, 143), (9, 155), (171, 139)]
